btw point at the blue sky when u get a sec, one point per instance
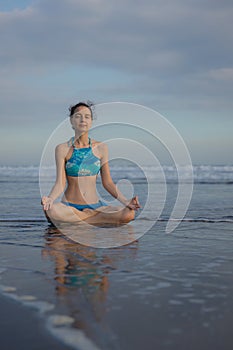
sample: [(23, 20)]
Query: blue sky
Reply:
[(175, 57)]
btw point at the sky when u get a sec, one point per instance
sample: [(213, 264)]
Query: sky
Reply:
[(174, 57)]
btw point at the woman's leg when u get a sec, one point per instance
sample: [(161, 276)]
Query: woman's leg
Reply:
[(63, 213), (111, 215), (103, 215)]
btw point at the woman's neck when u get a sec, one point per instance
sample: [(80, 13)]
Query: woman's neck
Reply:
[(82, 139)]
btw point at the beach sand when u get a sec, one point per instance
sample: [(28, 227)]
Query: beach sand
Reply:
[(22, 328), (165, 291)]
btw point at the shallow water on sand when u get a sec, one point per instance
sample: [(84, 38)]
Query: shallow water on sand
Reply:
[(164, 291)]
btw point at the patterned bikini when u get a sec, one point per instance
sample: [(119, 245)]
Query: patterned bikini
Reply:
[(83, 162)]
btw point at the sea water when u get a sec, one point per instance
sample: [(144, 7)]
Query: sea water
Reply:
[(163, 291)]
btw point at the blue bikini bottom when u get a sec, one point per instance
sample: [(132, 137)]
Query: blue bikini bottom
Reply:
[(86, 206)]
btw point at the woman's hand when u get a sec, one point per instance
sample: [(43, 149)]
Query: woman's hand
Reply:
[(133, 203), (47, 202)]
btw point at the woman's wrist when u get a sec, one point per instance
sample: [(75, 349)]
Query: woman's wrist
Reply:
[(124, 201)]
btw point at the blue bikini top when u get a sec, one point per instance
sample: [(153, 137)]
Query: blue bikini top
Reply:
[(82, 162)]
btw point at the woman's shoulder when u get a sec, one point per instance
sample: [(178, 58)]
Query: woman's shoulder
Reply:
[(101, 146), (96, 143), (62, 148)]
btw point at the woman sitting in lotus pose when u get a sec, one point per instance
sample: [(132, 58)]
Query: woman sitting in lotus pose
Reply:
[(78, 162)]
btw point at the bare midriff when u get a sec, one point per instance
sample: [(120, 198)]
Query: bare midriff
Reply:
[(81, 190)]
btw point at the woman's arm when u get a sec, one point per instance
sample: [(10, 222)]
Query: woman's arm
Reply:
[(110, 186), (59, 186)]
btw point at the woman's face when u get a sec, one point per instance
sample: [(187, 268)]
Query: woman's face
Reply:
[(81, 119)]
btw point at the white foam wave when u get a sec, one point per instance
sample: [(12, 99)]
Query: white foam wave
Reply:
[(202, 173), (19, 171)]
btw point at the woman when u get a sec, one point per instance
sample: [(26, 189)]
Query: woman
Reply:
[(78, 162)]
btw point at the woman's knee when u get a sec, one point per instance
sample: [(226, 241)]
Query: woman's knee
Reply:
[(61, 212), (127, 215), (54, 212)]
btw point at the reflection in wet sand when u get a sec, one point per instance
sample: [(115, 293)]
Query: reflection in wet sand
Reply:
[(107, 236), (82, 282)]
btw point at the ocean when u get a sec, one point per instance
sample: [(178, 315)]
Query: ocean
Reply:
[(159, 291)]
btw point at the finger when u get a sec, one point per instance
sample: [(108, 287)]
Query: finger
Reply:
[(136, 207), (44, 200), (137, 201), (46, 206)]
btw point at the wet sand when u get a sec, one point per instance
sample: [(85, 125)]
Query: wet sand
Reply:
[(22, 328), (164, 292)]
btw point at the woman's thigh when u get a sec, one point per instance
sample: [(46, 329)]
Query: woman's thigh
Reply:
[(62, 212), (111, 215)]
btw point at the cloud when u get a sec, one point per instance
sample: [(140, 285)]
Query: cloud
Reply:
[(225, 74), (171, 49), (151, 36)]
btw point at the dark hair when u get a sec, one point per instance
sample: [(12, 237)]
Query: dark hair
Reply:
[(87, 104)]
